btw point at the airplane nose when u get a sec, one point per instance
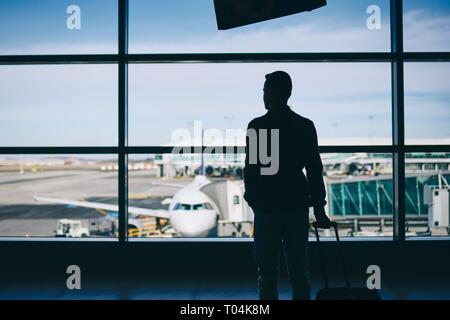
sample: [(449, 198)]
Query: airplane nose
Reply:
[(193, 223)]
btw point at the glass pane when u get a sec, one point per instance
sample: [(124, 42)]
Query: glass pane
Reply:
[(58, 27), (58, 196), (171, 103), (427, 103), (427, 194), (163, 26), (359, 193), (58, 105), (426, 25), (168, 197), (172, 194)]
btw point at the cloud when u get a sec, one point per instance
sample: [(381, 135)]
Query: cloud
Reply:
[(426, 30), (166, 96), (316, 36)]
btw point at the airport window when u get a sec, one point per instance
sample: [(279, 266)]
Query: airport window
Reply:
[(54, 105), (58, 27), (427, 192), (359, 194), (58, 196), (191, 204), (427, 103), (426, 25), (350, 103), (123, 119), (171, 26)]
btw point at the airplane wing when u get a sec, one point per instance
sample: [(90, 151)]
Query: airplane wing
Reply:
[(158, 213)]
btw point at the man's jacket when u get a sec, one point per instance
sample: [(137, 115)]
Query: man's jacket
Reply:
[(289, 187)]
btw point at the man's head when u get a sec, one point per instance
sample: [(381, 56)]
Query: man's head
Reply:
[(277, 90)]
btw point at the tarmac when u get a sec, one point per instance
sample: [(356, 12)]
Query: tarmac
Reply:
[(21, 215)]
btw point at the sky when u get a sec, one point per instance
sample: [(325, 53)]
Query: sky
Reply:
[(76, 105)]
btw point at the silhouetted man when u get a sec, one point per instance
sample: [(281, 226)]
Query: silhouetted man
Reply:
[(280, 144)]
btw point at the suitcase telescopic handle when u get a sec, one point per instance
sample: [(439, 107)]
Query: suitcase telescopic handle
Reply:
[(333, 224), (335, 227)]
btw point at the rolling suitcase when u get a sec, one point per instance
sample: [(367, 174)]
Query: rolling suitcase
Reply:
[(341, 293)]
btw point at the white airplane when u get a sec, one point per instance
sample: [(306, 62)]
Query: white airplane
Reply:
[(191, 212)]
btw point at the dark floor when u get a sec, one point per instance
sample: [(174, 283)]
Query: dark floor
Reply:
[(211, 270), (195, 290)]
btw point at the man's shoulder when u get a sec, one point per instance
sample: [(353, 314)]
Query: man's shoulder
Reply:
[(258, 121), (306, 122), (261, 121)]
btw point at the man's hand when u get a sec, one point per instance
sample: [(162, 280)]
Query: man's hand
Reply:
[(322, 221)]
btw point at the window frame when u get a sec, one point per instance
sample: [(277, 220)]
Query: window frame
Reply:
[(396, 57)]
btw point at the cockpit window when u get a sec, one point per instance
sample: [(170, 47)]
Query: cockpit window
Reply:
[(202, 206), (182, 206), (208, 206)]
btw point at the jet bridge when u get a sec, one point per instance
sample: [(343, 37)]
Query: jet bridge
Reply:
[(235, 216)]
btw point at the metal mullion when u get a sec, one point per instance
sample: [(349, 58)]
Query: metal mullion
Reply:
[(59, 59), (123, 123), (426, 148), (58, 150), (223, 57), (426, 56), (260, 57), (241, 149), (184, 150), (398, 119)]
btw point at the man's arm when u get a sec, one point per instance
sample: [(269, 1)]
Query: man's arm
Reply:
[(314, 170), (251, 169)]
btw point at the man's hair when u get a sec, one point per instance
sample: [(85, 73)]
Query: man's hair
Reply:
[(280, 83)]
